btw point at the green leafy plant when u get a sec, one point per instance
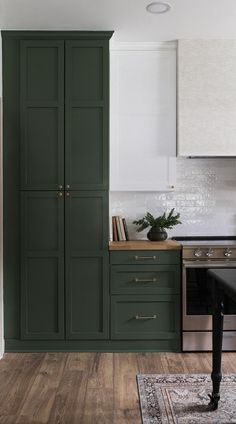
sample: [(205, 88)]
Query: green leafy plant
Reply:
[(162, 221)]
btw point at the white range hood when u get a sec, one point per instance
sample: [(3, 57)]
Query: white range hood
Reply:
[(207, 98)]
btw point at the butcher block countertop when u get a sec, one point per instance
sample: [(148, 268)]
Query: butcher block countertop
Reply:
[(144, 245)]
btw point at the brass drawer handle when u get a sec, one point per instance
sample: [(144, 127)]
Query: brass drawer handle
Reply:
[(145, 317), (137, 258), (140, 280)]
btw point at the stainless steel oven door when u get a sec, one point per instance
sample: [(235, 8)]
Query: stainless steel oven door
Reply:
[(194, 321)]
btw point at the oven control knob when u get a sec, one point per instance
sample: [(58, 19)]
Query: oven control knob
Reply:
[(227, 252), (198, 253), (210, 253)]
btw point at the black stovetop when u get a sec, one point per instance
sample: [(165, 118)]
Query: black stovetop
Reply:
[(206, 240)]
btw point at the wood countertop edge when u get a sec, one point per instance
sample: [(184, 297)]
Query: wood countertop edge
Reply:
[(144, 245)]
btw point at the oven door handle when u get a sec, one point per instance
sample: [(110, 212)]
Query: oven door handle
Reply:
[(209, 264)]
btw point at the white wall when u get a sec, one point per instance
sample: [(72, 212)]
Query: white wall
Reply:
[(1, 229), (205, 196)]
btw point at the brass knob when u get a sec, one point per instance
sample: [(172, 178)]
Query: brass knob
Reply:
[(60, 194), (67, 193), (67, 186), (60, 186)]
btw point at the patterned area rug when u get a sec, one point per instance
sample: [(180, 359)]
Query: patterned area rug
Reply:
[(183, 399)]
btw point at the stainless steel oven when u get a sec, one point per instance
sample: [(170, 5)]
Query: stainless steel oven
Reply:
[(198, 257)]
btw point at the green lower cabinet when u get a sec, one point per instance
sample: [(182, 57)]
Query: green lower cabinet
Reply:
[(42, 266), (87, 298), (42, 312), (145, 317), (87, 265)]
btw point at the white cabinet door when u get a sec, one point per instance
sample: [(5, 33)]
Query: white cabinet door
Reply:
[(142, 116), (207, 98)]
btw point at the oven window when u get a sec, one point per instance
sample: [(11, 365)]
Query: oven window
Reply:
[(198, 294)]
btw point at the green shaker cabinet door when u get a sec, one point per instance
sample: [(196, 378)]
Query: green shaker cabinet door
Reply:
[(87, 265), (42, 114), (42, 270), (86, 222), (86, 111)]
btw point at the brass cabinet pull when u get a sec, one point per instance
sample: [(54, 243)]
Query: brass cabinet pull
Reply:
[(67, 193), (145, 317), (60, 186), (60, 194), (67, 186), (139, 258), (143, 280)]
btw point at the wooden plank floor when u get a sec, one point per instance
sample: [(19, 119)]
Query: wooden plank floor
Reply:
[(86, 388)]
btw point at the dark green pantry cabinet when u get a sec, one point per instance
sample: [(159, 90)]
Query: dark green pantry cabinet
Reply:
[(56, 115), (64, 79)]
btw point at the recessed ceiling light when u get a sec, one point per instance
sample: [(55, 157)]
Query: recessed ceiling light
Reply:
[(158, 7)]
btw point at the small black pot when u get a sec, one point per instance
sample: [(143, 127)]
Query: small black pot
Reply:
[(157, 234)]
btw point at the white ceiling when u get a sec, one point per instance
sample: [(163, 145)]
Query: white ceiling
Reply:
[(129, 19)]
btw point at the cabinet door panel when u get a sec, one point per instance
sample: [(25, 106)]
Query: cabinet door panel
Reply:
[(87, 103), (40, 160), (87, 265), (41, 308), (87, 297), (86, 71), (41, 69), (42, 222), (86, 147), (87, 221), (42, 265), (42, 115)]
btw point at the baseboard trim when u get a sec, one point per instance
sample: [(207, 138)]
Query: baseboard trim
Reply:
[(13, 345)]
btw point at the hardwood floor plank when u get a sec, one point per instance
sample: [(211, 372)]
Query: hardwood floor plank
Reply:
[(40, 399), (80, 362), (8, 419), (66, 397), (228, 362), (125, 386), (175, 363), (22, 373), (99, 406), (101, 373), (150, 363)]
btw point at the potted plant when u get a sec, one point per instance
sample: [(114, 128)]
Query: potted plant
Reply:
[(158, 225)]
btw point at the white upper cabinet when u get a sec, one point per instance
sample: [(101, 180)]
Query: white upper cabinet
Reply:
[(142, 116), (207, 98)]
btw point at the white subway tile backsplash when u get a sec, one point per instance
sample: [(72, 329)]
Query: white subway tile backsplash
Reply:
[(205, 196)]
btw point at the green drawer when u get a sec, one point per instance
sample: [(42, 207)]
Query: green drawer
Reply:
[(148, 279), (145, 317), (145, 257)]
